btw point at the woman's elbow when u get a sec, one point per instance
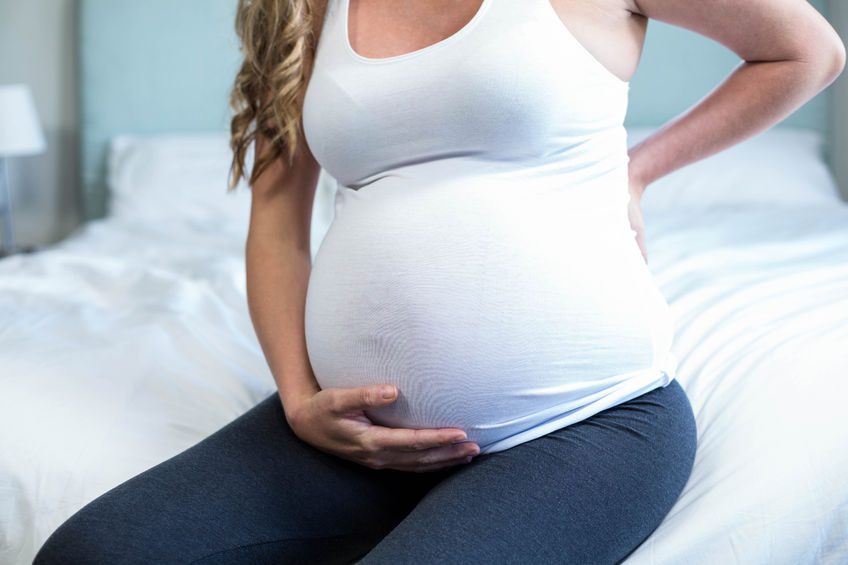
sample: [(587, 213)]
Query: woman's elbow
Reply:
[(837, 59), (828, 57)]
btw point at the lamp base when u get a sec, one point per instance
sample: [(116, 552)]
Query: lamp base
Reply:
[(20, 250), (6, 209)]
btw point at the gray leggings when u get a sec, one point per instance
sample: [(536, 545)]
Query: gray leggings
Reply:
[(253, 492)]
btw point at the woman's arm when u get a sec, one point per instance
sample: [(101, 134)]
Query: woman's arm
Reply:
[(278, 262), (790, 52)]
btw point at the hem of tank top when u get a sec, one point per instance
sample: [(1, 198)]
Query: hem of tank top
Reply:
[(665, 370), (464, 30), (660, 379), (567, 33)]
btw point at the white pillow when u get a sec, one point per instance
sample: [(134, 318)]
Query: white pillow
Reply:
[(780, 167), (181, 179)]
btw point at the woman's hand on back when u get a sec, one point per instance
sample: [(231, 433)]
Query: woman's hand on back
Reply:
[(334, 421), (637, 222)]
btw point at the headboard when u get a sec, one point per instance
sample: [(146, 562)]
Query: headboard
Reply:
[(158, 66)]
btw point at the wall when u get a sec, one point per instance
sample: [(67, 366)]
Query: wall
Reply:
[(37, 47), (839, 103)]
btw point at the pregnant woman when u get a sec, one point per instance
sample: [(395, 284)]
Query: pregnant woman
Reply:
[(477, 366)]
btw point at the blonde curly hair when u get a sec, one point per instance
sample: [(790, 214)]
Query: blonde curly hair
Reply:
[(278, 40)]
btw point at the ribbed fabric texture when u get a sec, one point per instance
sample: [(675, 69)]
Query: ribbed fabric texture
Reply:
[(481, 256)]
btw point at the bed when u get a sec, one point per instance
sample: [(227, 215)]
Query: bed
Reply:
[(130, 341)]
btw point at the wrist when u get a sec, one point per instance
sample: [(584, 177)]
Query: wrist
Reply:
[(636, 186), (637, 176), (291, 410), (293, 402)]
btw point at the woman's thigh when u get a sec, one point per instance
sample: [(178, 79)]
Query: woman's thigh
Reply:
[(252, 492), (588, 493)]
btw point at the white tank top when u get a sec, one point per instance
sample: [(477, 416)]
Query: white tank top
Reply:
[(480, 257)]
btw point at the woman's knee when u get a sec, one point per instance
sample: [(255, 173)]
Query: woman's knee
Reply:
[(158, 515), (106, 530), (65, 545)]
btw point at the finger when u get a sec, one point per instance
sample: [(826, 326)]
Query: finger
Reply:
[(343, 400), (431, 468), (640, 241), (434, 458), (643, 248), (411, 439)]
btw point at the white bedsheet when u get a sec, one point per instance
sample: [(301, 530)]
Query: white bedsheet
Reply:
[(760, 299), (118, 348), (128, 343)]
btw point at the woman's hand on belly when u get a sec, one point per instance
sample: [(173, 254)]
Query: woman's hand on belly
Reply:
[(334, 421)]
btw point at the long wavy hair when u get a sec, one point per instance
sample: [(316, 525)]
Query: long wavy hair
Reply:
[(278, 40)]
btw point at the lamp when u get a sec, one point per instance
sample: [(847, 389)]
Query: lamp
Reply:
[(20, 134)]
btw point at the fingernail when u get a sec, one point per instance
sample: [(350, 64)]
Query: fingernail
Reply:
[(388, 392), (461, 437)]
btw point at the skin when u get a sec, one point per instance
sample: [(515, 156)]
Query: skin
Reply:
[(789, 54)]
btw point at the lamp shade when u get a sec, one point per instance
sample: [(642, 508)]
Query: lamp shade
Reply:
[(20, 131)]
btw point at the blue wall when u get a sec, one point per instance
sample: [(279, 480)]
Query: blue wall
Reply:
[(151, 66)]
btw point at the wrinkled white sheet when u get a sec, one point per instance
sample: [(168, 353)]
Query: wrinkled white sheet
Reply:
[(119, 348), (760, 299), (129, 342)]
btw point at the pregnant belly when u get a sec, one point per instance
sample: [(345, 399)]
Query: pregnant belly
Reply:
[(490, 313)]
